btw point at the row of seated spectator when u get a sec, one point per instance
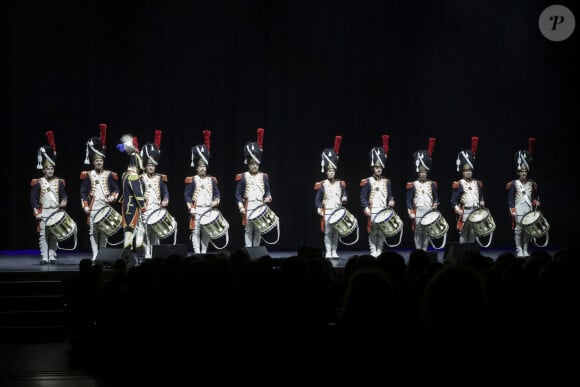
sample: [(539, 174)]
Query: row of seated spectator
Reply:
[(173, 313)]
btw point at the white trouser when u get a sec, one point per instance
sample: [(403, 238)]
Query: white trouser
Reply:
[(376, 236), (252, 235), (376, 240), (46, 241), (199, 237), (521, 238), (421, 237), (466, 235), (330, 237), (150, 237), (97, 238)]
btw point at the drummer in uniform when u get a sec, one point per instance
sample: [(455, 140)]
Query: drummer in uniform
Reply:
[(201, 193), (422, 195), (47, 196), (99, 188), (330, 196), (467, 193), (132, 197), (376, 195), (522, 197), (252, 189), (154, 189)]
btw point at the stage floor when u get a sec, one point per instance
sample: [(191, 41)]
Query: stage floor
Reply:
[(29, 260)]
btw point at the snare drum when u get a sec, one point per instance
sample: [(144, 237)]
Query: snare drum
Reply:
[(108, 220), (213, 223), (481, 222), (534, 224), (162, 223), (61, 225), (388, 221), (263, 218), (342, 221), (434, 224)]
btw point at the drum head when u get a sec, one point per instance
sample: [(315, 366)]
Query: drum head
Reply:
[(102, 214), (336, 215), (55, 218), (209, 217), (531, 217), (383, 215), (478, 215), (257, 212), (156, 216), (430, 218)]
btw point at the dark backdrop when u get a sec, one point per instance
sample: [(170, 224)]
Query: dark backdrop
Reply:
[(305, 71)]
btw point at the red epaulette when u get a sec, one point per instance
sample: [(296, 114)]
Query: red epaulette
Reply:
[(188, 179), (214, 179), (163, 177), (409, 185), (239, 176), (435, 184), (480, 183), (317, 185), (33, 182), (534, 185), (62, 180), (343, 183), (508, 186), (85, 174), (455, 185), (363, 182), (115, 176)]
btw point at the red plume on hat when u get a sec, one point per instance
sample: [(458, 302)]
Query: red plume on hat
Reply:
[(431, 146), (103, 131), (260, 138), (385, 138), (337, 141), (474, 142), (136, 144), (158, 139), (531, 145), (46, 154), (206, 138), (50, 137)]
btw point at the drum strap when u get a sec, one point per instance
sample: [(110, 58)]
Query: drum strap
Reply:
[(322, 220)]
